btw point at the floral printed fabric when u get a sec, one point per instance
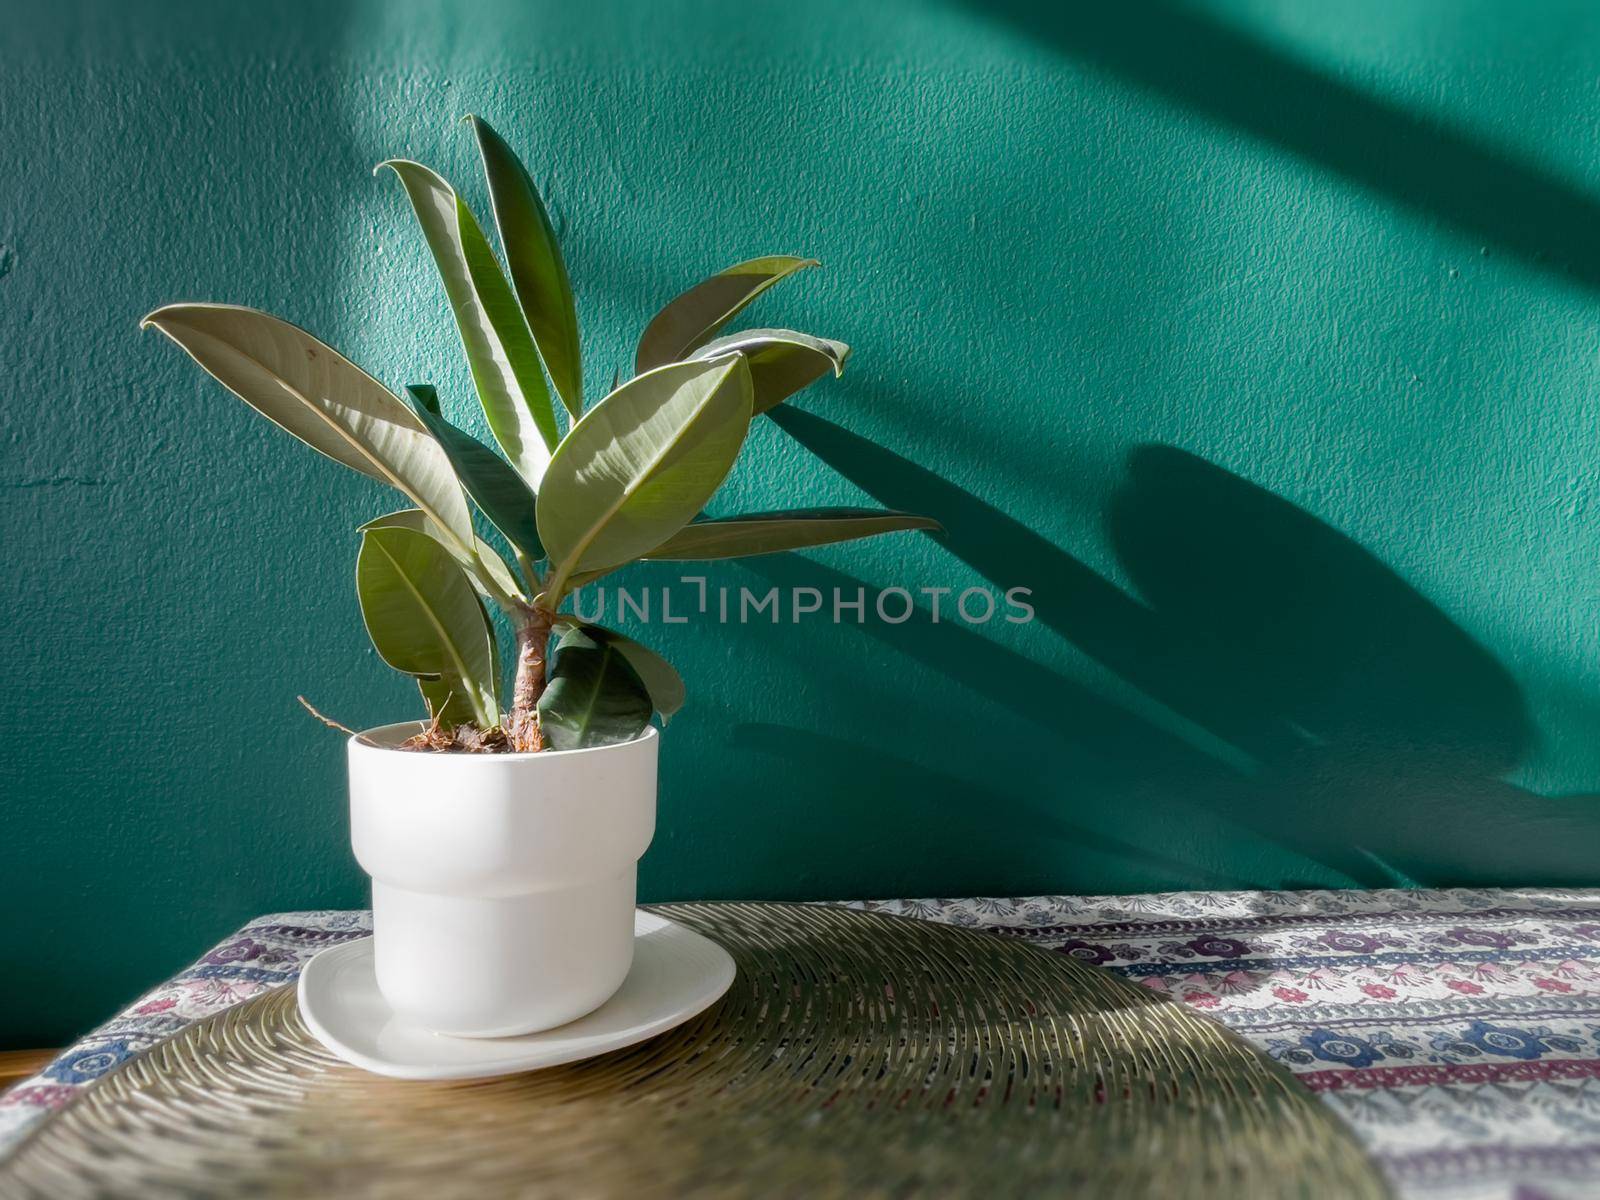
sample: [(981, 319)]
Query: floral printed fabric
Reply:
[(1458, 1032), (263, 955)]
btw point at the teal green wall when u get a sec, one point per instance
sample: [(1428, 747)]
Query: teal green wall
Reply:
[(1258, 339)]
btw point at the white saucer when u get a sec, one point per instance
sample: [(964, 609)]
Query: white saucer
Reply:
[(676, 974)]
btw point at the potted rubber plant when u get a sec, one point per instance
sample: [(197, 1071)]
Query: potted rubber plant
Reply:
[(502, 832)]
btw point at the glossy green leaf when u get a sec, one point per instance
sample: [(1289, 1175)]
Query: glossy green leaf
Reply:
[(447, 702), (695, 317), (641, 464), (781, 361), (322, 398), (423, 616), (659, 677), (772, 532), (500, 492), (537, 269), (500, 350), (594, 698), (486, 570)]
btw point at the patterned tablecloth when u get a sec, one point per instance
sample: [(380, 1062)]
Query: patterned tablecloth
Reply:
[(1458, 1032)]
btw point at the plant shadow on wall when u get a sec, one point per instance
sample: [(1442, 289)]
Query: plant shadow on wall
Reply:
[(1228, 76), (1379, 731)]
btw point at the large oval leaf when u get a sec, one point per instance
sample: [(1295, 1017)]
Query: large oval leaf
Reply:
[(781, 361), (447, 702), (640, 464), (772, 532), (322, 398), (500, 350), (594, 698), (485, 569), (660, 678), (692, 319), (537, 269), (423, 616), (500, 492)]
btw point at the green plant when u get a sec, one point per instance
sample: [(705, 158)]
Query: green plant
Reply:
[(626, 481)]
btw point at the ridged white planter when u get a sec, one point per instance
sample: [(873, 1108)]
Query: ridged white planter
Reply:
[(503, 885)]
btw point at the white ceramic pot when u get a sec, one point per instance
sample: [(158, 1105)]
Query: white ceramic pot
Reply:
[(502, 884)]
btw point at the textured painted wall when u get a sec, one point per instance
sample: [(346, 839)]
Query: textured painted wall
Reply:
[(1257, 339)]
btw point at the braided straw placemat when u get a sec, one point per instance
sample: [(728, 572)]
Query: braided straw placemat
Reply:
[(856, 1055)]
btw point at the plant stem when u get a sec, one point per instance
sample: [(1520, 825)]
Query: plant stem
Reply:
[(533, 639), (530, 573)]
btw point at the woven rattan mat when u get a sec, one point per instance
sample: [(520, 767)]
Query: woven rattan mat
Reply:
[(855, 1055)]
